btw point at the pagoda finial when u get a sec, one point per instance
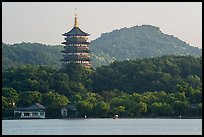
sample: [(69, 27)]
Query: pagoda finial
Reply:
[(76, 19)]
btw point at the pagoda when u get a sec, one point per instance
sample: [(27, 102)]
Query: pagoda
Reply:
[(76, 48)]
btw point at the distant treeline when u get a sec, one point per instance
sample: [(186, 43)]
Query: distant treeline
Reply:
[(151, 87), (30, 53)]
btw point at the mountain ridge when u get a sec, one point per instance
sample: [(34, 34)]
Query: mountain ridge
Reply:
[(139, 40), (120, 44)]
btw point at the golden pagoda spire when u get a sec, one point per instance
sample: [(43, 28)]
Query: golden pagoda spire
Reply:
[(75, 19)]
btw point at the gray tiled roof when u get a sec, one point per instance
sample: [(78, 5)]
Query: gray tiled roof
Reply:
[(36, 106), (76, 31)]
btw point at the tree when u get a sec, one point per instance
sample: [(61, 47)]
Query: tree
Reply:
[(53, 102), (84, 107), (101, 109), (53, 98), (120, 110), (199, 110), (161, 109), (181, 108), (142, 107), (10, 94), (5, 103), (137, 109), (76, 97), (7, 107), (29, 98), (194, 81)]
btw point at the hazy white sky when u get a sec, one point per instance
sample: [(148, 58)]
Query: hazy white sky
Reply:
[(45, 22)]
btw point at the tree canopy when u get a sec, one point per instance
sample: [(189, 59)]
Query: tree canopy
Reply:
[(150, 87)]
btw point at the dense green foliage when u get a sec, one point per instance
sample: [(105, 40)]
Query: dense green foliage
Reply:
[(30, 53), (150, 74), (123, 44), (151, 87)]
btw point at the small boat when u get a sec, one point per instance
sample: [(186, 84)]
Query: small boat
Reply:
[(115, 116)]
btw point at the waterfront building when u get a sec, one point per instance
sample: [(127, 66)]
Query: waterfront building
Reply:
[(33, 111), (69, 111)]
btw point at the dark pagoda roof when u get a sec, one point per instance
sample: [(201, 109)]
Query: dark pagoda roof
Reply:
[(76, 31)]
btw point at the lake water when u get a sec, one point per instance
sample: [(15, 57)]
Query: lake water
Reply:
[(102, 127)]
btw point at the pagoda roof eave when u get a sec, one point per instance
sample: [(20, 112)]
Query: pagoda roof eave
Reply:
[(76, 31)]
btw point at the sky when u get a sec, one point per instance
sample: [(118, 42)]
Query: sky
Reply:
[(45, 22)]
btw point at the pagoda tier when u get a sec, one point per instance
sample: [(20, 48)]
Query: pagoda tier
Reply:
[(76, 56), (75, 40), (76, 47), (73, 49), (76, 60), (86, 64)]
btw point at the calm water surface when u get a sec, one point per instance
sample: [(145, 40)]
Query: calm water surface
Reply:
[(102, 127)]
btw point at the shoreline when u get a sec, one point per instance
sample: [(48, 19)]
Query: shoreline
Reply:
[(112, 118)]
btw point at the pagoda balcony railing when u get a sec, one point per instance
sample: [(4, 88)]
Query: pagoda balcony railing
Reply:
[(75, 59), (75, 42), (76, 48), (84, 63), (76, 56), (75, 51), (76, 45), (76, 38)]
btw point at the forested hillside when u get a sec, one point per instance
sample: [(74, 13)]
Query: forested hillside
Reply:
[(152, 74), (30, 53), (123, 44), (139, 42), (151, 87)]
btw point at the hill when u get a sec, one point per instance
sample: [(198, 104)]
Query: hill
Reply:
[(138, 42), (123, 44), (30, 53)]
